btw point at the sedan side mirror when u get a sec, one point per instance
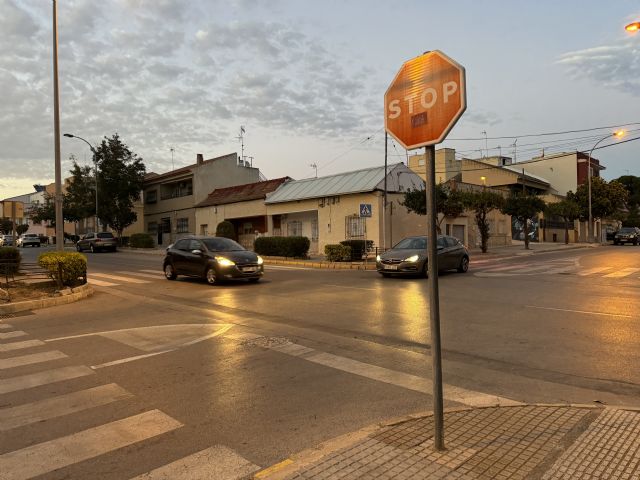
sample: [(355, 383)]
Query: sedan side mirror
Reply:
[(196, 252)]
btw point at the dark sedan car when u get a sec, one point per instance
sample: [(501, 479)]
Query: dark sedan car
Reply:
[(627, 235), (212, 258), (409, 257)]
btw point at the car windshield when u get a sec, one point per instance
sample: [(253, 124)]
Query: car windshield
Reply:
[(220, 244), (411, 244), (105, 235), (627, 230)]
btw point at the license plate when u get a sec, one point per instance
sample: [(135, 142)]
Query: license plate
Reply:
[(249, 269), (390, 267)]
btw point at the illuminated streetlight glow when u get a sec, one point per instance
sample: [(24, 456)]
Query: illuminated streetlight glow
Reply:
[(633, 27)]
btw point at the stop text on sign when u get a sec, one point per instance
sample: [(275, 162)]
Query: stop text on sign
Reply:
[(426, 99)]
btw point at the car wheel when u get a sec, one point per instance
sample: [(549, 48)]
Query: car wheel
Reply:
[(92, 248), (635, 242), (425, 270), (211, 276), (114, 249), (78, 248), (464, 265), (169, 272), (254, 280)]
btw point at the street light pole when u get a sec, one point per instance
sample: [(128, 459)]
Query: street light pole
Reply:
[(591, 227), (56, 129), (95, 165)]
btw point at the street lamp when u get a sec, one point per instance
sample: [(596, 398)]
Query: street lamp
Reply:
[(590, 227), (633, 27), (95, 164)]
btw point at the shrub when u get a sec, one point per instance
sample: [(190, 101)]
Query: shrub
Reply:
[(357, 248), (226, 229), (337, 253), (66, 268), (141, 240), (282, 246), (9, 260)]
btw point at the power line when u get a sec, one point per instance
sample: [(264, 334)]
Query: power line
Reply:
[(543, 134)]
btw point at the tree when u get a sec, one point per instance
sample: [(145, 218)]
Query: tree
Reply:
[(523, 207), (608, 199), (631, 183), (449, 203), (80, 198), (6, 226), (226, 229), (120, 180), (22, 228), (568, 209), (44, 212), (482, 203)]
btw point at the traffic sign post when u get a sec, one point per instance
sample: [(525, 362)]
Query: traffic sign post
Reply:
[(422, 104), (365, 211)]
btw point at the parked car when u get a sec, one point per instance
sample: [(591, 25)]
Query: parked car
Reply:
[(6, 240), (627, 235), (28, 239), (212, 258), (97, 241), (409, 257)]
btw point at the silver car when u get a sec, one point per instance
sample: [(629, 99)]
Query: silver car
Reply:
[(6, 240), (28, 239), (409, 257)]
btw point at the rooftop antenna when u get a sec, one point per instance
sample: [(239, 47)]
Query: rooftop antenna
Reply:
[(313, 165), (486, 145), (241, 138), (172, 165), (515, 149)]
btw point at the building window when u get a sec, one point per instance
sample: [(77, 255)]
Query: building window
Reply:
[(175, 190), (165, 225), (355, 227), (152, 228), (294, 229), (204, 229), (151, 196), (314, 230), (182, 225)]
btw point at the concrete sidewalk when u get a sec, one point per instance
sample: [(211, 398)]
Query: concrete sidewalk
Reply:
[(527, 441)]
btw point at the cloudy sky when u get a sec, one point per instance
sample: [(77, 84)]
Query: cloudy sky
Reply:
[(307, 78)]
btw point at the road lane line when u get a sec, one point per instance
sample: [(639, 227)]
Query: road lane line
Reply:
[(507, 268), (14, 334), (130, 359), (581, 311), (118, 278), (6, 363), (61, 452), (216, 462), (25, 382), (101, 283), (9, 347), (625, 272), (5, 326), (49, 408), (152, 271), (591, 271), (157, 276)]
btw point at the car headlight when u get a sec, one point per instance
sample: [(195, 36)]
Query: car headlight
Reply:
[(225, 262), (260, 260), (377, 258), (412, 258)]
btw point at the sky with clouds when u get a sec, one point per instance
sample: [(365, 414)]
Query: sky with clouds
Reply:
[(307, 79)]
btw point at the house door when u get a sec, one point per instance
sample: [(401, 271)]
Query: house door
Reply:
[(457, 231)]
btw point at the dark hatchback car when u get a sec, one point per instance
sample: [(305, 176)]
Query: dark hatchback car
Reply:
[(212, 258), (627, 235), (96, 242), (409, 257)]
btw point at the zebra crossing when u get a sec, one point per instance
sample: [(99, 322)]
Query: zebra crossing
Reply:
[(22, 369), (557, 267), (140, 277)]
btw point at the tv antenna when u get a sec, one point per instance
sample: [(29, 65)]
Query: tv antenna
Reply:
[(172, 165), (241, 138), (315, 166)]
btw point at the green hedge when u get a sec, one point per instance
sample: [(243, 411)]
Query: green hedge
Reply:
[(66, 268), (226, 229), (337, 253), (357, 248), (9, 260), (141, 240), (297, 247)]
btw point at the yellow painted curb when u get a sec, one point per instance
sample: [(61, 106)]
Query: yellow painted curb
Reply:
[(273, 469)]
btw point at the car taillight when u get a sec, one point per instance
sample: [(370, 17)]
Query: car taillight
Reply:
[(98, 240)]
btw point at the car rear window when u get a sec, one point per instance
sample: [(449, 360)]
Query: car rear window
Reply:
[(105, 235), (220, 244)]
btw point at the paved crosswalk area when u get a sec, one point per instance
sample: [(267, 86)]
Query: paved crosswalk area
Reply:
[(27, 365), (555, 267), (123, 277)]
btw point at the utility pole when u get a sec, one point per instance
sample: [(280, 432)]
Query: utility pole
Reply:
[(384, 196), (56, 129)]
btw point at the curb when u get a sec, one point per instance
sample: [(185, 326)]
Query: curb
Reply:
[(298, 461), (320, 265), (77, 293)]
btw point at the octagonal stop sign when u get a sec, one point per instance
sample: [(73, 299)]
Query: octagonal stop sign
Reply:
[(425, 100)]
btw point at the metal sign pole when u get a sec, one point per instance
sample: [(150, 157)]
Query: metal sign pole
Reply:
[(434, 301)]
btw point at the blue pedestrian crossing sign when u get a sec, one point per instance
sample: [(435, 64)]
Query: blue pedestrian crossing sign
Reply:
[(365, 209)]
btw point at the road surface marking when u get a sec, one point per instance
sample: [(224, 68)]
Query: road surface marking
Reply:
[(100, 283), (356, 288), (118, 278), (381, 374), (273, 469), (625, 272), (25, 382), (157, 276), (581, 311), (215, 462), (6, 363), (61, 452), (14, 334), (49, 408), (152, 271), (9, 347), (130, 359), (507, 267), (591, 271), (561, 270), (5, 326)]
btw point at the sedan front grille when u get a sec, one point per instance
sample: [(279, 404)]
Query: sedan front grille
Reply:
[(391, 261)]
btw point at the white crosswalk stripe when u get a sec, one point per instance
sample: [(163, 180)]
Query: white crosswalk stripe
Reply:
[(49, 408), (118, 278), (625, 272), (14, 362), (61, 452), (9, 347), (46, 377), (156, 276), (5, 326), (592, 271), (14, 334), (151, 271)]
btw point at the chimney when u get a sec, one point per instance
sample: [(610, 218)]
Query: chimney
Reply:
[(199, 159)]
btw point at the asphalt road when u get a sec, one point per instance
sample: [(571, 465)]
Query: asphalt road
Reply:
[(257, 372)]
